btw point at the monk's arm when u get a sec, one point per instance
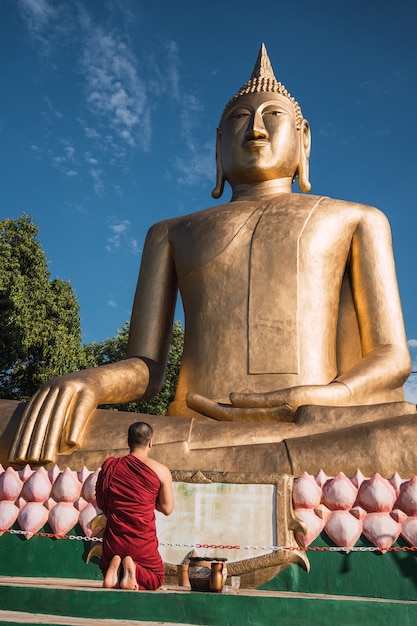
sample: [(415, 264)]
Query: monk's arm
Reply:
[(165, 499), (66, 403)]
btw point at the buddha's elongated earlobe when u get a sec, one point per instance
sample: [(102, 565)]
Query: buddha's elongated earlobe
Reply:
[(220, 178), (303, 164)]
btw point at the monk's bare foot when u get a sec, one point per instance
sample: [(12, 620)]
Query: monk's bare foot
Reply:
[(111, 579), (129, 574)]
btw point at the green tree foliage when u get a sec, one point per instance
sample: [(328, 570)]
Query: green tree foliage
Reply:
[(111, 350), (40, 332)]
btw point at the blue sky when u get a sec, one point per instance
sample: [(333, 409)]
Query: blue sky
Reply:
[(109, 111)]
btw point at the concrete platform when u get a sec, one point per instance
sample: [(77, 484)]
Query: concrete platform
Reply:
[(74, 602)]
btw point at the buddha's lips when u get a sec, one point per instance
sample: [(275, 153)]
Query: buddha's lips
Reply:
[(255, 143)]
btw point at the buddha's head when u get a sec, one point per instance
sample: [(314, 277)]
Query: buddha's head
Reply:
[(262, 134)]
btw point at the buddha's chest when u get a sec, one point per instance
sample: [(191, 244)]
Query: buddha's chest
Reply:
[(274, 240)]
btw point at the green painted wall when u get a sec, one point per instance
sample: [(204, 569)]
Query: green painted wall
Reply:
[(43, 556), (369, 574), (364, 574)]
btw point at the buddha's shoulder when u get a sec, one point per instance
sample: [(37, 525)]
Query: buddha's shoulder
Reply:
[(348, 209), (232, 213), (220, 213)]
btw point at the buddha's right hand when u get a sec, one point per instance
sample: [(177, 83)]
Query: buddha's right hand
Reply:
[(62, 403)]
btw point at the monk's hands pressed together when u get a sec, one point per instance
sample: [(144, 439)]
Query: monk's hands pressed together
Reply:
[(273, 406), (63, 403)]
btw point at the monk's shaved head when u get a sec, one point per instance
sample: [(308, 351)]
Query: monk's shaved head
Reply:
[(139, 434)]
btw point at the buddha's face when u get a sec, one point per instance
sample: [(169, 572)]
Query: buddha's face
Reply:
[(259, 140)]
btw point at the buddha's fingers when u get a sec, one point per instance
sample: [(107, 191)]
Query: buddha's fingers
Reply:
[(229, 413), (49, 425), (33, 415), (82, 409), (59, 413)]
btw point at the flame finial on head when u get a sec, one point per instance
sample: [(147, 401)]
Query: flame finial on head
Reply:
[(263, 80), (263, 67)]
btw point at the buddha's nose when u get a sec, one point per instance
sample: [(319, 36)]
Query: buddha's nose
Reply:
[(256, 128)]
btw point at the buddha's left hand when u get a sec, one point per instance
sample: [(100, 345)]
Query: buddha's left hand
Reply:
[(273, 406)]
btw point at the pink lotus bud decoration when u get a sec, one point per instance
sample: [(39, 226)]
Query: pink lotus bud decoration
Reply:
[(67, 487), (10, 485), (376, 495), (37, 487), (343, 528), (88, 491), (314, 523), (306, 492), (407, 498), (342, 507), (339, 493), (382, 510), (381, 529), (63, 517), (32, 517), (8, 514), (34, 498)]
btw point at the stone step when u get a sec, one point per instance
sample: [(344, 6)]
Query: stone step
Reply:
[(76, 602), (39, 619)]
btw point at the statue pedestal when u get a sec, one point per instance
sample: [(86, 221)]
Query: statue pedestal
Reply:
[(377, 438)]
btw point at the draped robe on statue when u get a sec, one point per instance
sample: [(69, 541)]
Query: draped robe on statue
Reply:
[(126, 491), (266, 306)]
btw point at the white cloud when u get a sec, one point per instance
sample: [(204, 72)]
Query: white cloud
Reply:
[(328, 130), (47, 21), (119, 92), (114, 90), (97, 176), (90, 133), (65, 162), (90, 159), (121, 227), (121, 239), (134, 247), (38, 13), (37, 150), (197, 165), (172, 69), (410, 389), (57, 114), (112, 303), (117, 229)]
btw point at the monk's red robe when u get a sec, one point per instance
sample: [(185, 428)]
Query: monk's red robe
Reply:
[(126, 492)]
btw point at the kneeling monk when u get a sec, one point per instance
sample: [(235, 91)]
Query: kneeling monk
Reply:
[(128, 490)]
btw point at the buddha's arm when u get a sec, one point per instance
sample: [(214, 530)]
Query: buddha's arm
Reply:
[(154, 307), (68, 401), (386, 361)]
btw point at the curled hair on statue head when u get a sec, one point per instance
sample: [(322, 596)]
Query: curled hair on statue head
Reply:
[(139, 435), (263, 80)]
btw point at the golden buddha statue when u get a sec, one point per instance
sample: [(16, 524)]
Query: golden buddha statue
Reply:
[(291, 303)]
